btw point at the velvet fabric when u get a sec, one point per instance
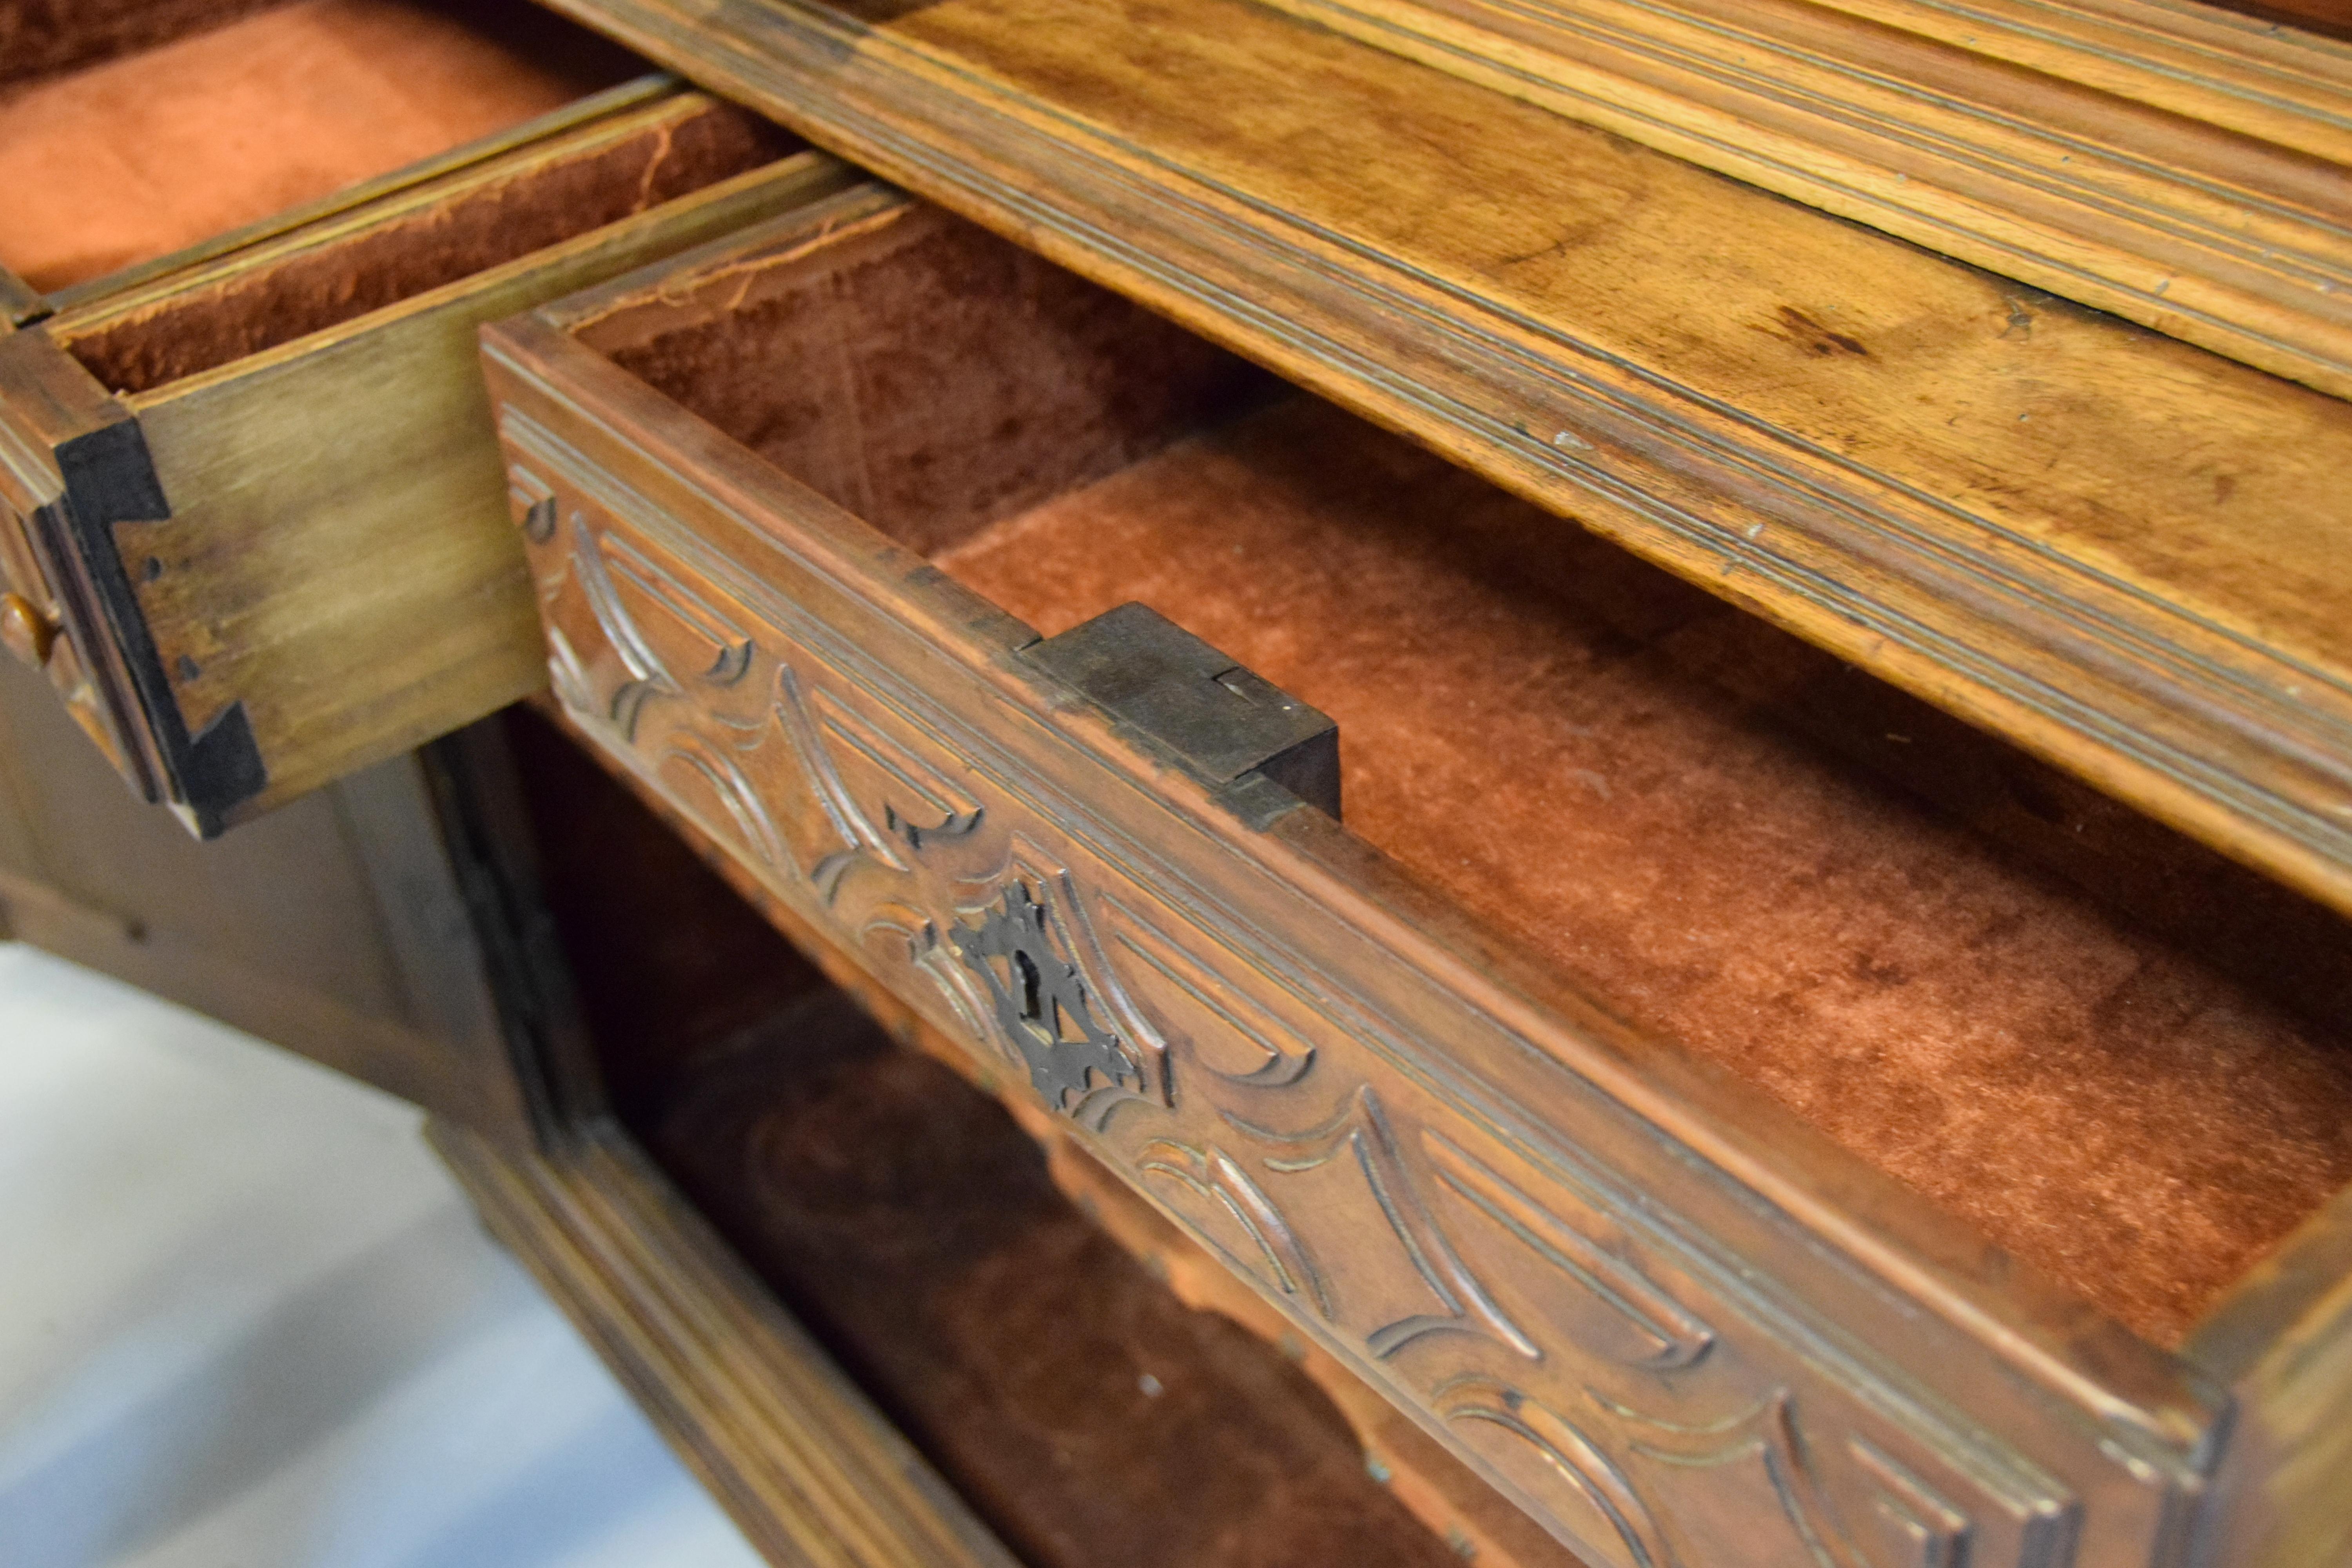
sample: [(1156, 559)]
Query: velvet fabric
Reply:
[(1583, 752), (1087, 1415), (258, 309), (137, 154), (927, 376)]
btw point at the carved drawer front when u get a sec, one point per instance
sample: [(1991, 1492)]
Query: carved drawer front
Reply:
[(1089, 858), (253, 534)]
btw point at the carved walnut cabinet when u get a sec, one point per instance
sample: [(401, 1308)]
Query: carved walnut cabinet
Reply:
[(1629, 723)]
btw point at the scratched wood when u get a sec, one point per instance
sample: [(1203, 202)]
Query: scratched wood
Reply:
[(2118, 550), (1667, 1322)]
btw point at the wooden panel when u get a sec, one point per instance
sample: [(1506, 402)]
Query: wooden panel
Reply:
[(336, 929), (2181, 169), (1671, 1326), (808, 1469), (2111, 547)]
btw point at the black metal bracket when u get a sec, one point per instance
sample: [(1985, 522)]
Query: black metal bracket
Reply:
[(109, 480), (1213, 718)]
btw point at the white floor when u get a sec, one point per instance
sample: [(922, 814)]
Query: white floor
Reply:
[(248, 1321)]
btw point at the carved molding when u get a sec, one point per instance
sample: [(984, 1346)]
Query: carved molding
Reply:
[(1622, 1386)]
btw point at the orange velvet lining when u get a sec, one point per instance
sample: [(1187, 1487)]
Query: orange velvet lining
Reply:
[(134, 158), (258, 309), (1523, 724)]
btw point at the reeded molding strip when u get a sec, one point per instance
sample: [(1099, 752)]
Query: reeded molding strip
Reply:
[(798, 1457), (2186, 174)]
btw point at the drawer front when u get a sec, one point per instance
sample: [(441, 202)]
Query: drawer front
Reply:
[(259, 576), (1658, 1363), (48, 617)]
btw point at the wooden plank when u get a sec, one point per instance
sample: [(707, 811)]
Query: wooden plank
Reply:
[(2190, 179), (808, 1469), (2120, 552)]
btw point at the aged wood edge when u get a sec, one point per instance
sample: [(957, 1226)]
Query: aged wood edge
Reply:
[(110, 480), (49, 399), (2149, 1400), (2155, 697), (858, 200), (2014, 193), (2284, 1340), (613, 101), (2203, 44), (798, 1457), (476, 794)]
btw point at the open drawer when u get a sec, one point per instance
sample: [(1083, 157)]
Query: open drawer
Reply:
[(1751, 1118), (1060, 1390), (251, 521)]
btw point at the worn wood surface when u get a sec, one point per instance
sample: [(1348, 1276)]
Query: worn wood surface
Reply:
[(1458, 1507), (803, 1462), (1331, 1085), (2183, 169), (2117, 549)]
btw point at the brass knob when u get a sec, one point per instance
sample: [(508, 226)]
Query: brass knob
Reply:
[(28, 633)]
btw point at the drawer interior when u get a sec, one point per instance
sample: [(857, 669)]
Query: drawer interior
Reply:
[(131, 129), (449, 230), (2116, 1053), (1083, 1412)]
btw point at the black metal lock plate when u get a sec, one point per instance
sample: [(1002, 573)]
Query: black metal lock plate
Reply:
[(1222, 723)]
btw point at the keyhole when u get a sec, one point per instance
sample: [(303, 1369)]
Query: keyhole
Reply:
[(1030, 982)]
